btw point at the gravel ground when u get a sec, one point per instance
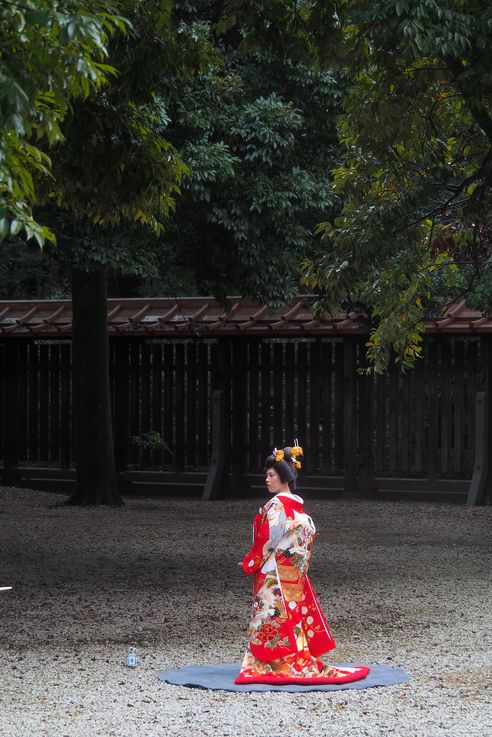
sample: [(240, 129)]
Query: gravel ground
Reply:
[(402, 583)]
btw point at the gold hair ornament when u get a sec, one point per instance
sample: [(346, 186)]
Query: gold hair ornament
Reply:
[(296, 450)]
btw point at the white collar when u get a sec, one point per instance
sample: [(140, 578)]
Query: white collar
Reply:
[(291, 496)]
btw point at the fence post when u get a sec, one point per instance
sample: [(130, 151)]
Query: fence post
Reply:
[(365, 422), (349, 389), (121, 417), (214, 488), (11, 418), (481, 462), (239, 419)]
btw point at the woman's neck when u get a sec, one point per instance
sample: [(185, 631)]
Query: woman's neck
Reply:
[(285, 491)]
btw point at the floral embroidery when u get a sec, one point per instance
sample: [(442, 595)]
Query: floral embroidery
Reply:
[(269, 636)]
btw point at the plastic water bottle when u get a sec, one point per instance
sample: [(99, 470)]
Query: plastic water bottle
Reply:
[(131, 659)]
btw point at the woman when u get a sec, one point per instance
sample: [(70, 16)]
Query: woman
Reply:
[(288, 631)]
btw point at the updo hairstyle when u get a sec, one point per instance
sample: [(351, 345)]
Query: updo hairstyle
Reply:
[(285, 468)]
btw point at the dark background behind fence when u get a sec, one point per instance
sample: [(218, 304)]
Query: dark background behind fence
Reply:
[(416, 425)]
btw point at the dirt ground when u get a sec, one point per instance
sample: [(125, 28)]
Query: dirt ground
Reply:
[(401, 583)]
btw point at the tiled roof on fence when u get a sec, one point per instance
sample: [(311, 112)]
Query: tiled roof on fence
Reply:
[(203, 316)]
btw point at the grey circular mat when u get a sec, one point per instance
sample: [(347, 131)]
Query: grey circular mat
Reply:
[(220, 676)]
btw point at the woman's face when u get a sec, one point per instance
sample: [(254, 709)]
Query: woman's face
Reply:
[(273, 480)]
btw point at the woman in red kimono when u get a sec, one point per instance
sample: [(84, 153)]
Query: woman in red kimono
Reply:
[(288, 631)]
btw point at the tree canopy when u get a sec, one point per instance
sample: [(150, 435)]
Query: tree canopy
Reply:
[(50, 54), (258, 135), (249, 138), (258, 122), (412, 227)]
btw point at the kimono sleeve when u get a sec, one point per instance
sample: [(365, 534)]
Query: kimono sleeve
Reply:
[(268, 530)]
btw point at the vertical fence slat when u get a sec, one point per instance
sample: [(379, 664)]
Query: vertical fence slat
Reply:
[(314, 405), (33, 402), (179, 405), (65, 405), (393, 422), (281, 434), (338, 396), (22, 409), (326, 375), (302, 379), (457, 447), (11, 405), (349, 402), (190, 405), (204, 406), (432, 410), (445, 408), (222, 370), (365, 419), (168, 379), (135, 426), (266, 440), (254, 455), (157, 456), (239, 407), (379, 410), (120, 374), (470, 381), (54, 441), (419, 406), (44, 363), (406, 412), (290, 391), (145, 397)]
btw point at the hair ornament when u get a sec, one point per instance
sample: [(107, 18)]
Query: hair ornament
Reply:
[(296, 450)]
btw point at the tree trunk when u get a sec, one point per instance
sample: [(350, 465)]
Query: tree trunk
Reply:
[(91, 404)]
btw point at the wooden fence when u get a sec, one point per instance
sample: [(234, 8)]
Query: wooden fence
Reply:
[(355, 429)]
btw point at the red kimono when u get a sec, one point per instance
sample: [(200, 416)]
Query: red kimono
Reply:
[(288, 630)]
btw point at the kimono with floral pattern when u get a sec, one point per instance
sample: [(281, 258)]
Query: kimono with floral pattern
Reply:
[(287, 628)]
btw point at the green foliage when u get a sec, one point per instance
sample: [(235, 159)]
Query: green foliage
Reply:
[(50, 54), (304, 32), (26, 272), (116, 164), (84, 244), (86, 134), (257, 132), (151, 440), (240, 138), (414, 191)]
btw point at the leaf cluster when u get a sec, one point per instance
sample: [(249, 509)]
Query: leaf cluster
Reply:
[(417, 130), (258, 135), (50, 54)]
